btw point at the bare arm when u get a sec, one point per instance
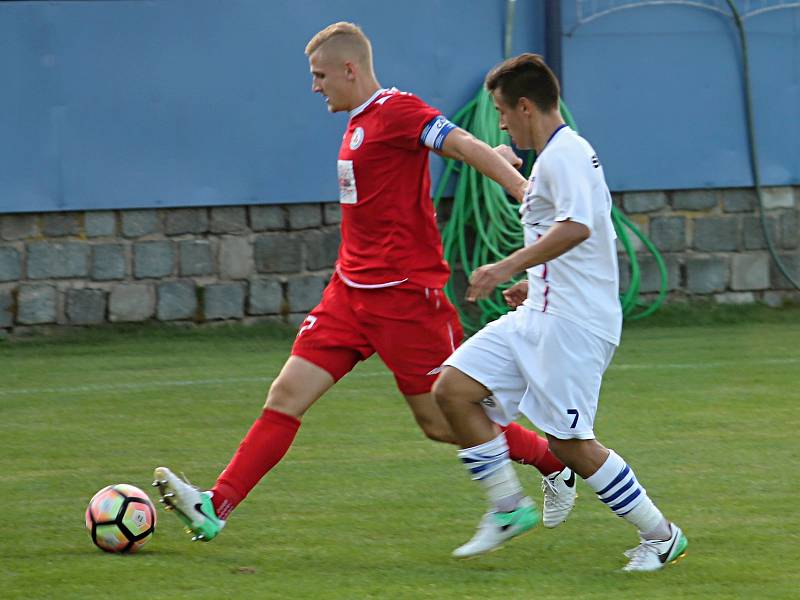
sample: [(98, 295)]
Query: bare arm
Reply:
[(462, 145), (560, 238)]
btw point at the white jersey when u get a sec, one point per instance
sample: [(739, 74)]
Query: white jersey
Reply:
[(581, 285)]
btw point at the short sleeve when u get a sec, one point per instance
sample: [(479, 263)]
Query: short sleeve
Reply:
[(570, 188), (404, 118)]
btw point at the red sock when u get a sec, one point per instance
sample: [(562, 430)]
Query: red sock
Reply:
[(526, 447), (261, 449)]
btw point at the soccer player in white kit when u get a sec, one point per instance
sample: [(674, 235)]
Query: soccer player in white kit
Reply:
[(546, 359)]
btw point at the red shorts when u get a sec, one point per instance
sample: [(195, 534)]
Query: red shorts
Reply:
[(412, 329)]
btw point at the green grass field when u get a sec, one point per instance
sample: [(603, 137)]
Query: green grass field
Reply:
[(363, 506)]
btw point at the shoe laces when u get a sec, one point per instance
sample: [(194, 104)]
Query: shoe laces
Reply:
[(551, 493), (640, 555)]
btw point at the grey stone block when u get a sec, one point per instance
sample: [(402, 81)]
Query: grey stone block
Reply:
[(735, 298), (707, 275), (716, 234), (738, 200), (223, 301), (638, 202), (278, 253), (36, 303), (304, 292), (131, 302), (61, 224), (650, 276), (695, 199), (153, 259), (229, 219), (332, 213), (774, 299), (322, 248), (10, 264), (176, 300), (18, 227), (304, 216), (790, 230), (136, 223), (57, 260), (753, 233), (266, 297), (267, 218), (86, 306), (196, 258), (777, 197), (6, 308), (100, 223), (186, 220), (791, 263), (750, 272), (668, 233), (235, 257), (108, 262)]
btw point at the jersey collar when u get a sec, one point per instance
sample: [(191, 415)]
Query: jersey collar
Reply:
[(359, 109)]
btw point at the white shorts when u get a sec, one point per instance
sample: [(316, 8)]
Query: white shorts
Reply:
[(543, 366)]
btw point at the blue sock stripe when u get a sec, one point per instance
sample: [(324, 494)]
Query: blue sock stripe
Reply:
[(619, 492), (625, 470), (627, 500), (482, 457)]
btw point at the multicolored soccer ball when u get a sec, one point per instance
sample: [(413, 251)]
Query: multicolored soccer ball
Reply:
[(121, 518)]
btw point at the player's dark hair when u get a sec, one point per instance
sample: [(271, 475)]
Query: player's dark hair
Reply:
[(525, 76)]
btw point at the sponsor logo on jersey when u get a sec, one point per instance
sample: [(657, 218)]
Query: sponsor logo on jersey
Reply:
[(357, 138), (595, 161)]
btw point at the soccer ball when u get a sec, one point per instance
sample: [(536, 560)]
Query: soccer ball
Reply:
[(121, 518)]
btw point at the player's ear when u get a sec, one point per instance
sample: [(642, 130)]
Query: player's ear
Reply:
[(525, 105), (349, 70)]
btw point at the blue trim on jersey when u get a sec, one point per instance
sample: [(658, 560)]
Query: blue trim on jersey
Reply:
[(443, 125), (559, 128)]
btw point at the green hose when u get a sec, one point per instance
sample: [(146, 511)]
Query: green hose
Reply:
[(484, 225)]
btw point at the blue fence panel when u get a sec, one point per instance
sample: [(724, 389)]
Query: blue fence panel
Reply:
[(132, 104), (657, 89)]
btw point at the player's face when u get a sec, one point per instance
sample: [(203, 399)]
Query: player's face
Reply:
[(329, 77), (513, 120)]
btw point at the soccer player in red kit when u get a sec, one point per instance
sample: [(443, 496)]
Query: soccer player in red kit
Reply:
[(386, 294)]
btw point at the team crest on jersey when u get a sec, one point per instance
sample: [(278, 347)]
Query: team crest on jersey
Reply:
[(357, 138)]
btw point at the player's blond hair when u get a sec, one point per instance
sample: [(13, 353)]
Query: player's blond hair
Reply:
[(344, 37)]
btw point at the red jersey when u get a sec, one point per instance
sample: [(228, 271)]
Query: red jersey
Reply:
[(389, 232)]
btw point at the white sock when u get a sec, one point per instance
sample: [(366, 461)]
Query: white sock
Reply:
[(489, 464), (616, 486)]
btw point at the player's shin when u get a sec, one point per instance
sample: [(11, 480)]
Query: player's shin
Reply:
[(526, 447), (617, 487), (261, 449), (489, 464)]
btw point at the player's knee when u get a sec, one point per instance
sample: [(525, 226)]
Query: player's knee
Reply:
[(283, 397), (445, 392)]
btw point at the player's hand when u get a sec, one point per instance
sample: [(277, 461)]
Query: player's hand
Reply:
[(485, 279), (516, 294), (508, 153)]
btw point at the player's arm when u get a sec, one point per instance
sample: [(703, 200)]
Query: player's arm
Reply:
[(560, 238), (462, 145)]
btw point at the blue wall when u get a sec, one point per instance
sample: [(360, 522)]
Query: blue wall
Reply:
[(127, 104), (658, 92)]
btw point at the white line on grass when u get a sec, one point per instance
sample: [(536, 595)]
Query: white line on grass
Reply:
[(111, 387)]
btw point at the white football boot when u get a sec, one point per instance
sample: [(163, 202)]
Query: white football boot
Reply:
[(652, 555), (496, 528), (559, 497), (193, 506)]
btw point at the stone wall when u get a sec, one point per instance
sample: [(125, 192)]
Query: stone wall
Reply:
[(713, 243), (193, 265), (272, 262)]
